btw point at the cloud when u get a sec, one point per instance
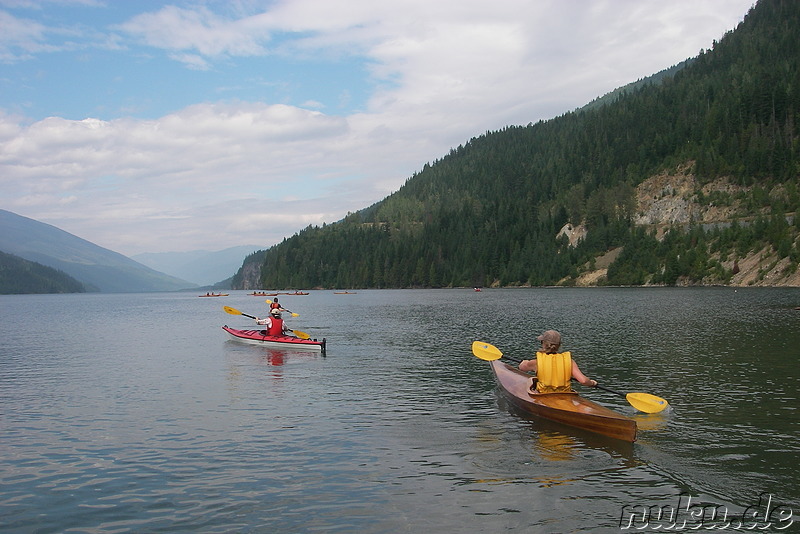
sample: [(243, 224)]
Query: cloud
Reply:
[(20, 38), (217, 173), (136, 174), (174, 28)]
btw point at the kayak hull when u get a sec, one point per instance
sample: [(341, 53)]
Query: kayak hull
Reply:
[(566, 408), (259, 337)]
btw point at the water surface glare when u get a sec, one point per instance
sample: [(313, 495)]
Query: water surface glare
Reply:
[(137, 413)]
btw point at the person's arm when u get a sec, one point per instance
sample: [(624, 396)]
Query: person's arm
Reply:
[(580, 377), (262, 321), (529, 366)]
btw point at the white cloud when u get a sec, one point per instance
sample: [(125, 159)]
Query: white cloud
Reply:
[(175, 28), (20, 38), (217, 174)]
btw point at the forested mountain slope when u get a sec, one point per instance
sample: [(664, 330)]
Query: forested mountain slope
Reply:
[(20, 276), (492, 211)]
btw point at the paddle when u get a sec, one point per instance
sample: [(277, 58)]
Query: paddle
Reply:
[(644, 402), (268, 301), (234, 311)]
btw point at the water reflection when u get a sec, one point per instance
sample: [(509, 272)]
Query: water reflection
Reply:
[(555, 441), (275, 357), (555, 446), (653, 422), (400, 428)]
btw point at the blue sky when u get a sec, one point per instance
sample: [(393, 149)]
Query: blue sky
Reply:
[(149, 126)]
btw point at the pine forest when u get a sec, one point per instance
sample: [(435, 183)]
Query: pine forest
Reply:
[(491, 212)]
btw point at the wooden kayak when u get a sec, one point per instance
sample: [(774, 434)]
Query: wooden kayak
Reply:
[(260, 337), (565, 408)]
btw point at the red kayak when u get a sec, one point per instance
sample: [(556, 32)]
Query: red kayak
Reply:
[(260, 337)]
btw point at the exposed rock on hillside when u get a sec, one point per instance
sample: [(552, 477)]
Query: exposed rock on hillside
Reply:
[(673, 198), (251, 274), (677, 198), (573, 233), (763, 269)]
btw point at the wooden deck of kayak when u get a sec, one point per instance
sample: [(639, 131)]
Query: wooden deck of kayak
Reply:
[(565, 408)]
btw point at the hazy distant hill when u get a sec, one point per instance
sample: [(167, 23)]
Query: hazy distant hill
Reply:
[(99, 269), (19, 276), (199, 266)]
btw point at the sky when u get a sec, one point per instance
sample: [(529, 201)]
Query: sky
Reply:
[(146, 126)]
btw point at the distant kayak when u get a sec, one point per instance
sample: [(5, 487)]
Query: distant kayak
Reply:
[(260, 337), (214, 295)]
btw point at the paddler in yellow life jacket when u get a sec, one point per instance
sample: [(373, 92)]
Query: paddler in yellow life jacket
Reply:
[(554, 369)]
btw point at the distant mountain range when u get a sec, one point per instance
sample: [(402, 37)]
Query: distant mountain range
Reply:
[(199, 266), (98, 268)]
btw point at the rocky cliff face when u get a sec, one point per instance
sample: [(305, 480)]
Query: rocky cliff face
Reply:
[(674, 198), (251, 272), (677, 198)]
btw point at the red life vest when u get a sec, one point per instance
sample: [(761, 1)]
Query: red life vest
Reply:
[(275, 327)]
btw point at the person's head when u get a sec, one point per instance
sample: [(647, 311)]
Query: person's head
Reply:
[(275, 312), (276, 300), (551, 341)]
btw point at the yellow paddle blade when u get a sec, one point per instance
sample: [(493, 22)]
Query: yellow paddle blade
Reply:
[(232, 311), (485, 351), (301, 335), (268, 301), (647, 403)]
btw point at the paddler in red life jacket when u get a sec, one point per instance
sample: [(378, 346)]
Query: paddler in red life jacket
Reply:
[(274, 323), (554, 369), (275, 306)]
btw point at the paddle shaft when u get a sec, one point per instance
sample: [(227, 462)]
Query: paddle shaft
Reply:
[(280, 307), (598, 386), (269, 301)]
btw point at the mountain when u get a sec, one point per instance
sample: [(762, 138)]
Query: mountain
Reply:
[(19, 276), (99, 269), (202, 267), (715, 141)]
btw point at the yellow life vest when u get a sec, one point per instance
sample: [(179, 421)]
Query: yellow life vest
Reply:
[(553, 372)]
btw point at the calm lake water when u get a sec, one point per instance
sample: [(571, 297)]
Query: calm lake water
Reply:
[(136, 413)]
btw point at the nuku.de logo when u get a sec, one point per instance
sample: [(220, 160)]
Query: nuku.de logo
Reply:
[(688, 516)]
